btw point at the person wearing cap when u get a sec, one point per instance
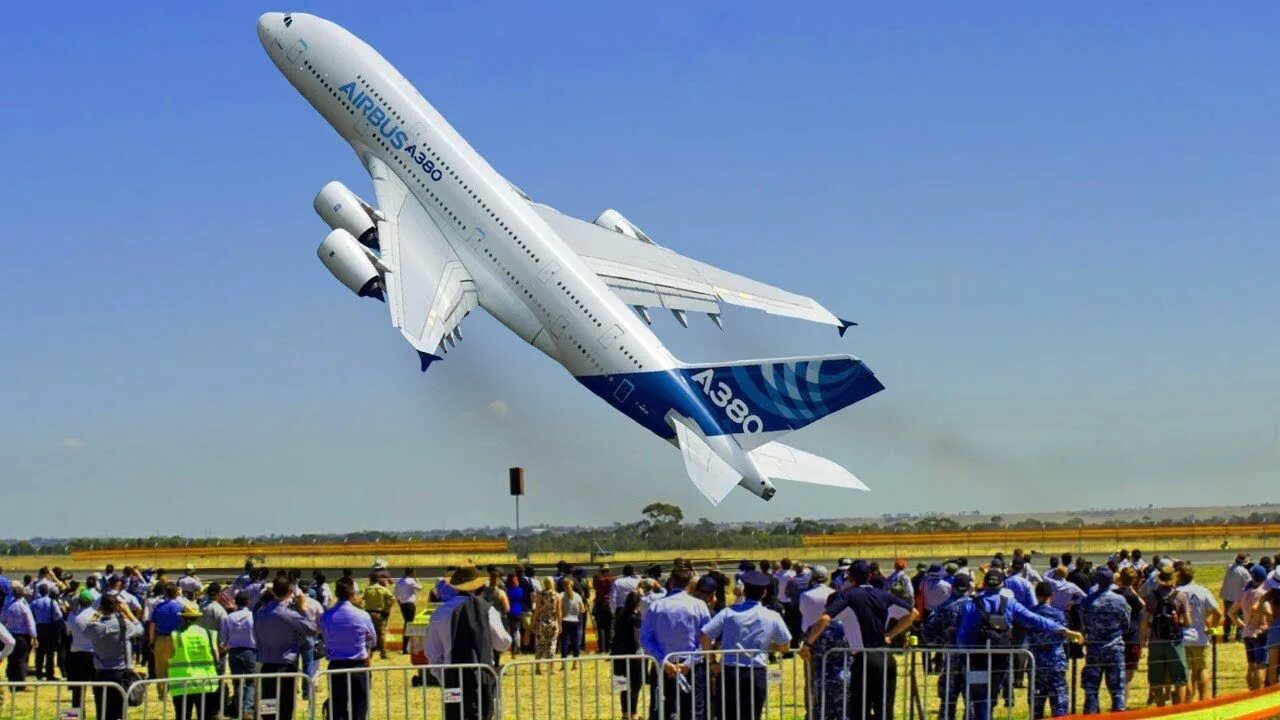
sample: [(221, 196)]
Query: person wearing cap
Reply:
[(280, 626), (349, 636), (80, 652), (466, 630), (194, 681), (865, 612), (1166, 614), (705, 590), (378, 600), (840, 578), (936, 587), (746, 633), (189, 584), (1233, 584), (1247, 614), (20, 623), (1104, 617), (939, 631), (602, 608), (992, 600), (1050, 681), (899, 576), (670, 628), (1205, 614), (112, 628)]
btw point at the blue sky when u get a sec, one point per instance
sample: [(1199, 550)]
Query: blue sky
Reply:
[(1056, 226)]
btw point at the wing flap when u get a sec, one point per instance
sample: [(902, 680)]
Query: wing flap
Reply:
[(651, 275), (429, 291)]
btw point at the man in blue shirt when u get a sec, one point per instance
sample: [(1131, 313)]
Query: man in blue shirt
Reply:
[(348, 637), (1104, 616), (747, 633), (235, 633), (166, 619), (48, 616), (280, 625), (979, 629), (670, 628), (1050, 681), (18, 620)]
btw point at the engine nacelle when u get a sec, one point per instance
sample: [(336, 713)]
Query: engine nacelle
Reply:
[(341, 208), (350, 263), (613, 220)]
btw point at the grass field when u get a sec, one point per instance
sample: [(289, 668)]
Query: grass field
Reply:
[(589, 692)]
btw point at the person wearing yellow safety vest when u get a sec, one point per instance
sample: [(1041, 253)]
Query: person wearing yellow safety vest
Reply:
[(194, 683)]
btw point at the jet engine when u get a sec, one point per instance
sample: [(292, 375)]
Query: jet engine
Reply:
[(612, 220), (341, 208), (351, 264)]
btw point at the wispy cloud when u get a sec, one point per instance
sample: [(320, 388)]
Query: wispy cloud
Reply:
[(499, 408), (71, 442)]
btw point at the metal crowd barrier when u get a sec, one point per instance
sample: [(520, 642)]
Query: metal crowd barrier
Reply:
[(452, 692), (69, 699), (599, 686), (901, 682), (731, 684), (270, 695)]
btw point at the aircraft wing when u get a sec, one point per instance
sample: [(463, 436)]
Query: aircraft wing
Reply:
[(428, 289), (648, 275)]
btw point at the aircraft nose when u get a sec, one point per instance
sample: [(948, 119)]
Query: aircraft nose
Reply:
[(267, 25)]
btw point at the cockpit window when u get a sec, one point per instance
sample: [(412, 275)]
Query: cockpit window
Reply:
[(288, 20)]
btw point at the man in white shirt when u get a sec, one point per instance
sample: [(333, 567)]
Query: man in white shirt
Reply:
[(1205, 614), (406, 592), (623, 586)]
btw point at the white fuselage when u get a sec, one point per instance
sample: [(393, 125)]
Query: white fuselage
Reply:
[(526, 276)]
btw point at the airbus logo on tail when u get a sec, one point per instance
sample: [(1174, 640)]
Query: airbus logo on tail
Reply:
[(376, 116)]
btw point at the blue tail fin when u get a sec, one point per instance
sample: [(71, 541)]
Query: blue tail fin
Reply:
[(776, 396)]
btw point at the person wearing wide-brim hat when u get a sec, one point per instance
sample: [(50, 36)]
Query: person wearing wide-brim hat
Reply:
[(477, 637), (193, 669)]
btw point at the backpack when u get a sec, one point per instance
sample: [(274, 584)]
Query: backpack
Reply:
[(1166, 621), (994, 627)]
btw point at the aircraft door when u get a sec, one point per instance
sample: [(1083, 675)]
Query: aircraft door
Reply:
[(610, 336)]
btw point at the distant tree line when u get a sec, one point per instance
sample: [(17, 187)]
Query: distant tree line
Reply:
[(661, 526)]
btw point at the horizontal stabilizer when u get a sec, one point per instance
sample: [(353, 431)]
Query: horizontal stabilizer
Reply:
[(712, 475), (782, 462)]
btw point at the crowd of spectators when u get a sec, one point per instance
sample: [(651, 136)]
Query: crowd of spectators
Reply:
[(189, 633)]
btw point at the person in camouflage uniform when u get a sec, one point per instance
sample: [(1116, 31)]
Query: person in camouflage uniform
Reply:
[(940, 631), (1105, 617), (1051, 658)]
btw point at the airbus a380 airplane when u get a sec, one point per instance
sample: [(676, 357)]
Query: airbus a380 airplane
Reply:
[(449, 234)]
